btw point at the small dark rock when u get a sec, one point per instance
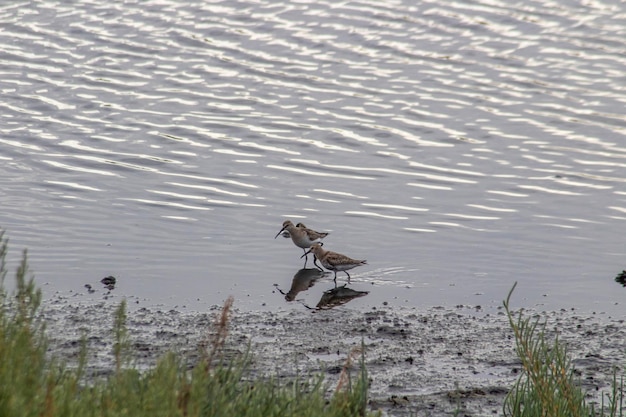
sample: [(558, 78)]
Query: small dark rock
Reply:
[(109, 282), (334, 370), (399, 401)]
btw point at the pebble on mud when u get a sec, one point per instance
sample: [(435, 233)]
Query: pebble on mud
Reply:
[(109, 282)]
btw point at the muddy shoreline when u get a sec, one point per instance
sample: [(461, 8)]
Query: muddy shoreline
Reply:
[(425, 362)]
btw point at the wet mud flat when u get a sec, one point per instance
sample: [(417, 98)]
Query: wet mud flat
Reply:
[(426, 362)]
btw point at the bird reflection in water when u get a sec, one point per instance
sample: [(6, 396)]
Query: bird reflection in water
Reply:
[(338, 296), (303, 280)]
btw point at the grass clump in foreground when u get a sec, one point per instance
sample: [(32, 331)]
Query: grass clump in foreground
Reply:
[(32, 384), (547, 387)]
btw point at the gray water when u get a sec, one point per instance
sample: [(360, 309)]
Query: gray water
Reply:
[(458, 146)]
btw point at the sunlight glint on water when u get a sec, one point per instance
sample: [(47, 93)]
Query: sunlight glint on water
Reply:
[(459, 147)]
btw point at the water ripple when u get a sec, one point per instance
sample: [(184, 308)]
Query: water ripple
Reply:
[(466, 119)]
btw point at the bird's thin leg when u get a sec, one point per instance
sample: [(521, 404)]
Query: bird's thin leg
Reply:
[(348, 276), (306, 258), (316, 264)]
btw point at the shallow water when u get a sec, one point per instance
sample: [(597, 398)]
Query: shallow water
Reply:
[(458, 147)]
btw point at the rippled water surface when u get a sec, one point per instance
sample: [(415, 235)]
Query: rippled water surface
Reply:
[(457, 146)]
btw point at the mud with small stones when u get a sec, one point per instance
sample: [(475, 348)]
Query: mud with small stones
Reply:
[(431, 362)]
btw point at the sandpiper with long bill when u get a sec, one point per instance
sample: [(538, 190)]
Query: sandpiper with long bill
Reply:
[(302, 237), (334, 261)]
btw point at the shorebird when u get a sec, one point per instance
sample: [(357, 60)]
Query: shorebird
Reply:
[(311, 231), (302, 237), (300, 226), (334, 261)]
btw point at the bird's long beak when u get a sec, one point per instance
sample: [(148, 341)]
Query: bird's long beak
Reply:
[(281, 230), (306, 253)]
